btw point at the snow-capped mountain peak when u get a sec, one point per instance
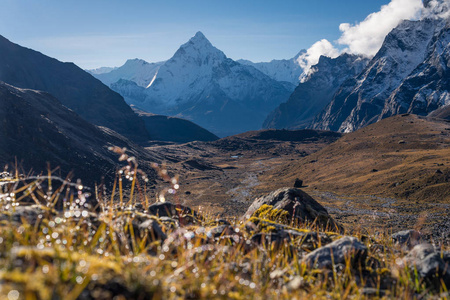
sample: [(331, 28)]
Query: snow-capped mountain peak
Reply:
[(136, 70), (198, 50), (288, 70), (200, 83)]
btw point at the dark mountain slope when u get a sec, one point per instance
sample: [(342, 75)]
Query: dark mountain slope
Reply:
[(36, 128), (315, 92), (76, 89), (172, 129)]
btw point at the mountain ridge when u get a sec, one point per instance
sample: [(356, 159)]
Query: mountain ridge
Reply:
[(75, 88)]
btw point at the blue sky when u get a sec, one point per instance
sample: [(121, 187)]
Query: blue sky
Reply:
[(106, 33)]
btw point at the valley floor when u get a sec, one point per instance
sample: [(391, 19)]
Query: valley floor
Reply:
[(409, 189)]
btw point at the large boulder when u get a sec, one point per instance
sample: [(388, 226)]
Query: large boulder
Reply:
[(337, 252), (430, 264), (298, 204)]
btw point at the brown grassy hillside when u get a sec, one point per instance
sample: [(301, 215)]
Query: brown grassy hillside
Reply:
[(404, 157)]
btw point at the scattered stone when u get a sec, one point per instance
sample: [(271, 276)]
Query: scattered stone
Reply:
[(298, 204), (438, 171), (296, 283), (429, 265), (401, 142), (183, 214), (408, 238), (270, 238), (373, 292), (219, 231), (298, 183), (336, 253)]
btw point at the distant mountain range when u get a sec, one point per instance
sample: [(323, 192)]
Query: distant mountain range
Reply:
[(201, 84), (288, 70), (409, 74), (136, 70)]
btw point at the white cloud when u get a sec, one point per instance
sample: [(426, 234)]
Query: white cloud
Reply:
[(367, 36), (312, 55)]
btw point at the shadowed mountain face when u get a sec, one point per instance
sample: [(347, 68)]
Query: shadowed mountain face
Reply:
[(36, 128), (171, 129), (76, 89), (315, 92), (199, 83)]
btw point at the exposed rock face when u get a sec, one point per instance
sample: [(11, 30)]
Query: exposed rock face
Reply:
[(428, 86), (298, 204), (408, 74), (315, 91), (76, 89), (337, 252)]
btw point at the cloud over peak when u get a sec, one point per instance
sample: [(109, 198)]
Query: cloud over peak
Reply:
[(367, 36)]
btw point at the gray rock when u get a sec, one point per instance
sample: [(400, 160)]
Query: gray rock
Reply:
[(298, 204), (336, 253), (408, 238), (373, 292), (30, 214), (183, 214), (152, 229), (429, 265), (219, 231)]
